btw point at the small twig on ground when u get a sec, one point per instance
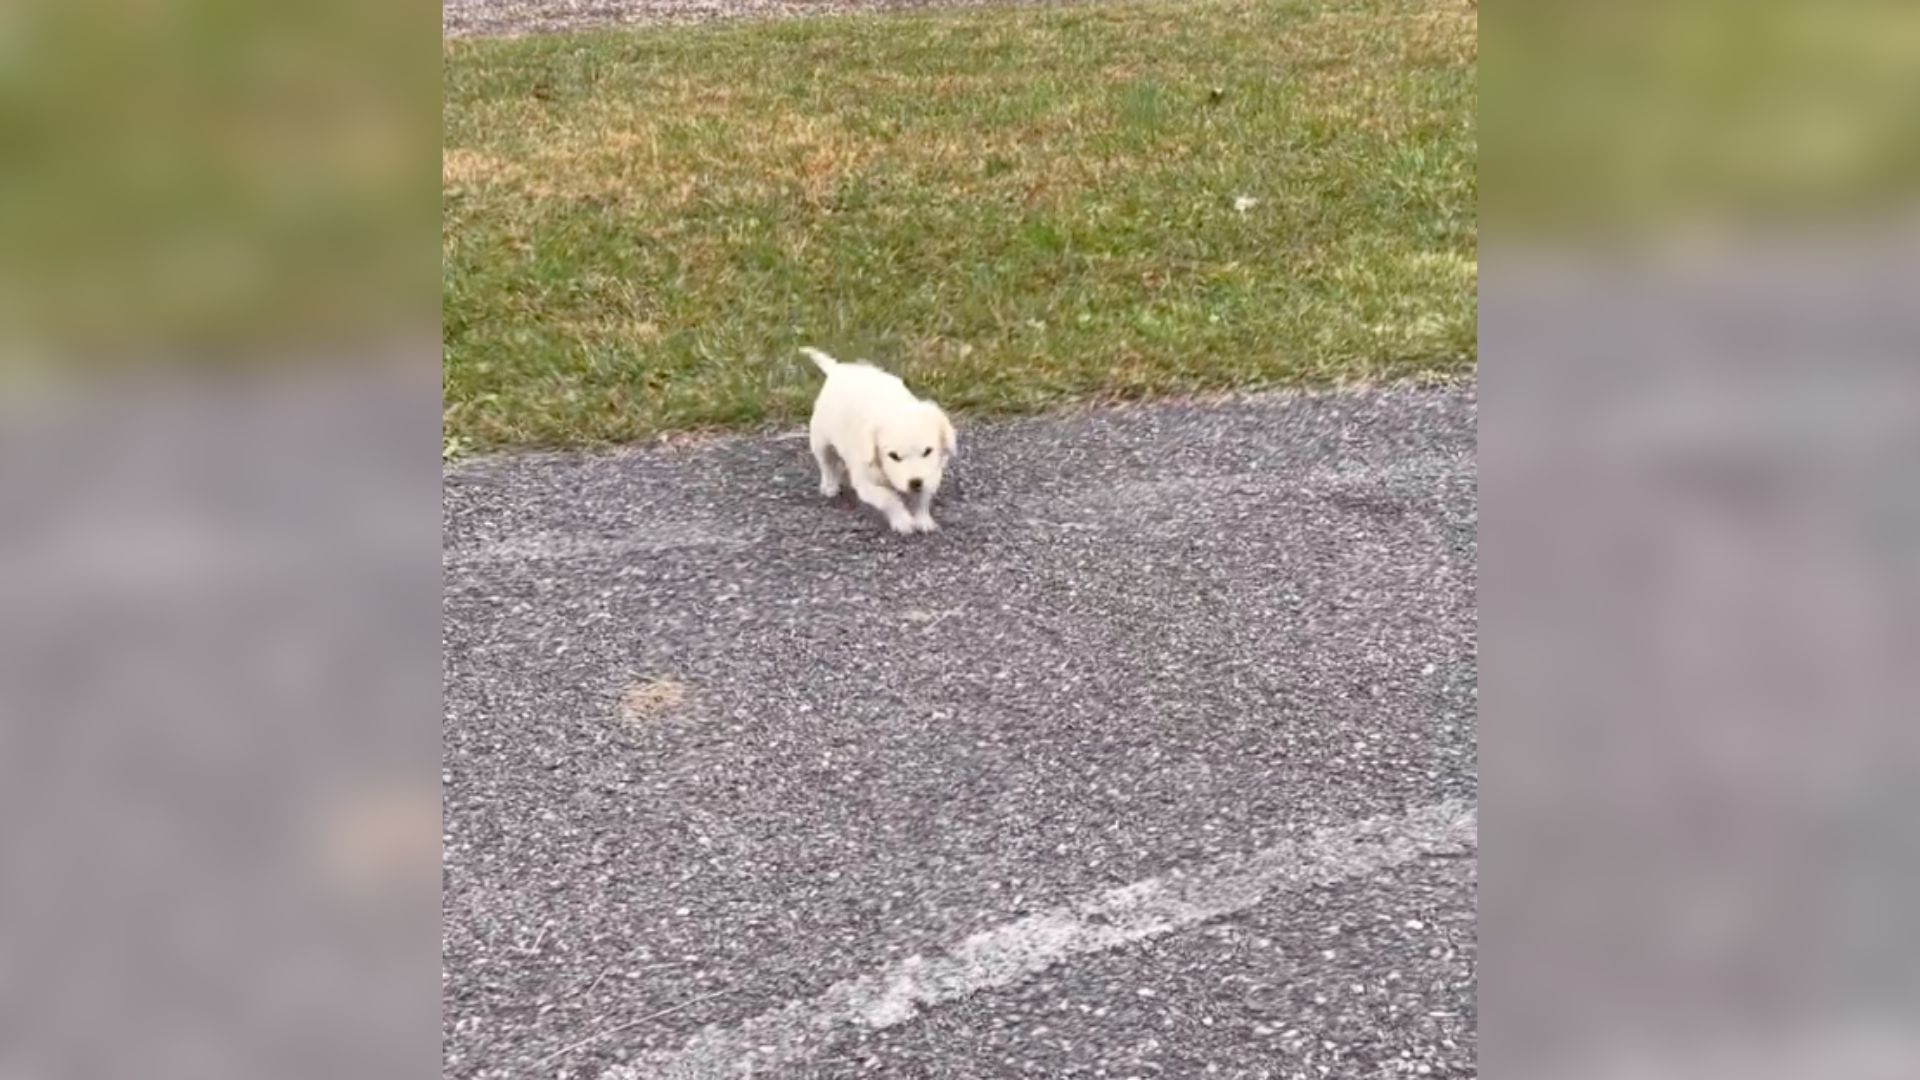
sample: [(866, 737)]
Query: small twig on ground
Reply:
[(596, 980), (616, 1029)]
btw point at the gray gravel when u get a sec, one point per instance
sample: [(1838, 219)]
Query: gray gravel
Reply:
[(1145, 639), (475, 18)]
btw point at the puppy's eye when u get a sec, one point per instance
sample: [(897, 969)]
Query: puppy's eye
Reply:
[(893, 454), (928, 452)]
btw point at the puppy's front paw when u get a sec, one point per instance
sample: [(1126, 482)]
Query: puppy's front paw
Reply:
[(829, 488), (925, 523), (902, 523)]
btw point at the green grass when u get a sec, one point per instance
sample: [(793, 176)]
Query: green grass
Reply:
[(1011, 208)]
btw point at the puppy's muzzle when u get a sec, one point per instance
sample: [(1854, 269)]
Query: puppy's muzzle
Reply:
[(914, 485)]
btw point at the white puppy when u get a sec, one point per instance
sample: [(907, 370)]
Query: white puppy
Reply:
[(893, 446)]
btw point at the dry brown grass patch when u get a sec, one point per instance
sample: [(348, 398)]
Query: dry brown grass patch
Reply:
[(462, 169)]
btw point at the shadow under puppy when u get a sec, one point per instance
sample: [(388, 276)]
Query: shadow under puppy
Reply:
[(892, 446)]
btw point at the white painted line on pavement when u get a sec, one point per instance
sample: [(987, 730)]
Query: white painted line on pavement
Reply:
[(1013, 952)]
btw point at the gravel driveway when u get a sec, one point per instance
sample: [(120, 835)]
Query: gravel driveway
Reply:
[(498, 18), (1157, 760)]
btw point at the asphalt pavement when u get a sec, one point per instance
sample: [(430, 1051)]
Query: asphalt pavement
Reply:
[(1158, 760)]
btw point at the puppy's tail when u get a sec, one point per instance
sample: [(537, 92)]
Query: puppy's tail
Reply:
[(821, 360)]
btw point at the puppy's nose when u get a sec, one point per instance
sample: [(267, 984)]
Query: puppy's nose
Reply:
[(915, 484)]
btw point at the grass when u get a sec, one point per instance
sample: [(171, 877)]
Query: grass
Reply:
[(1013, 209)]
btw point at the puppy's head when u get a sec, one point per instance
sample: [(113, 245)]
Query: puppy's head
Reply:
[(912, 448)]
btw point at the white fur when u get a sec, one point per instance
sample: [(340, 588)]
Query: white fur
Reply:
[(867, 424)]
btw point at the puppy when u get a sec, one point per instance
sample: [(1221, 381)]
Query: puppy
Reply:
[(892, 446)]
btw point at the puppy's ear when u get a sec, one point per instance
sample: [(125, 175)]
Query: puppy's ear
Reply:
[(949, 442)]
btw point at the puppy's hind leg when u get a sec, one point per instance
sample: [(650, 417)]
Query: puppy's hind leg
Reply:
[(823, 455)]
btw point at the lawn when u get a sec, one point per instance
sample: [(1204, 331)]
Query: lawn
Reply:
[(1012, 208)]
